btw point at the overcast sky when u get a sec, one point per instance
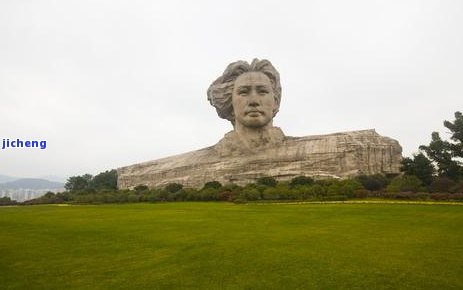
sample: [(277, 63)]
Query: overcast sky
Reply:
[(113, 83)]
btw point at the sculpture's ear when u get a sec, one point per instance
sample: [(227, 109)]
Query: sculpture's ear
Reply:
[(232, 119), (277, 107)]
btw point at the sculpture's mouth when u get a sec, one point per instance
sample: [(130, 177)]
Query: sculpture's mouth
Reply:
[(254, 112)]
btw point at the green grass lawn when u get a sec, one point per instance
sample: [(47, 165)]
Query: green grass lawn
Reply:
[(232, 246)]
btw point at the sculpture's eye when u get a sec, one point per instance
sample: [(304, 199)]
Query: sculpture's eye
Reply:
[(243, 92)]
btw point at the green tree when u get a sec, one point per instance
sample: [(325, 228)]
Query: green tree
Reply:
[(442, 184), (419, 166), (406, 183), (373, 182), (443, 153), (49, 195), (141, 188), (212, 184), (7, 201), (440, 151), (105, 180), (78, 183), (456, 127), (267, 181), (301, 180), (173, 187)]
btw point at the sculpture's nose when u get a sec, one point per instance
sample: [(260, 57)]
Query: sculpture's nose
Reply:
[(253, 99)]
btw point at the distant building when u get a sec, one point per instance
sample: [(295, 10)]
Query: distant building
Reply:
[(23, 194)]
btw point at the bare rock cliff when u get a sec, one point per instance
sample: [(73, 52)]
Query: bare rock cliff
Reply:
[(338, 155)]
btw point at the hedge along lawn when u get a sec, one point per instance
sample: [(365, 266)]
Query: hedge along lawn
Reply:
[(232, 246)]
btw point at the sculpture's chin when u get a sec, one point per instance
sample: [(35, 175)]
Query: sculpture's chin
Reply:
[(255, 121), (255, 125)]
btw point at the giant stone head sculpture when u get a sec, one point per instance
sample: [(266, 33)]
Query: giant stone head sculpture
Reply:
[(247, 93)]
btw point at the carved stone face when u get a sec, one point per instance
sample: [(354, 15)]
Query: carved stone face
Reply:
[(253, 100)]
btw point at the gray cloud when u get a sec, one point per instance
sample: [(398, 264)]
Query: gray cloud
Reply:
[(111, 83)]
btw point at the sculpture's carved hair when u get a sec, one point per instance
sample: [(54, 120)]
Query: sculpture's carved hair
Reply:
[(220, 91)]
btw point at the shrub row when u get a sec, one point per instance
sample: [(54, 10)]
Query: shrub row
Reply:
[(300, 188)]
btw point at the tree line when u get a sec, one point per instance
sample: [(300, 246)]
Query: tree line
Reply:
[(438, 166), (300, 188)]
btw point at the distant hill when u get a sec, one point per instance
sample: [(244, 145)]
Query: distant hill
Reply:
[(54, 178), (6, 178), (31, 183)]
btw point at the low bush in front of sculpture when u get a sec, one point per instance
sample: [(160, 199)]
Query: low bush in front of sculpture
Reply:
[(300, 188)]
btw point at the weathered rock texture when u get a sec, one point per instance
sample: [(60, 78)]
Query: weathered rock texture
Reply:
[(248, 95), (336, 155)]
